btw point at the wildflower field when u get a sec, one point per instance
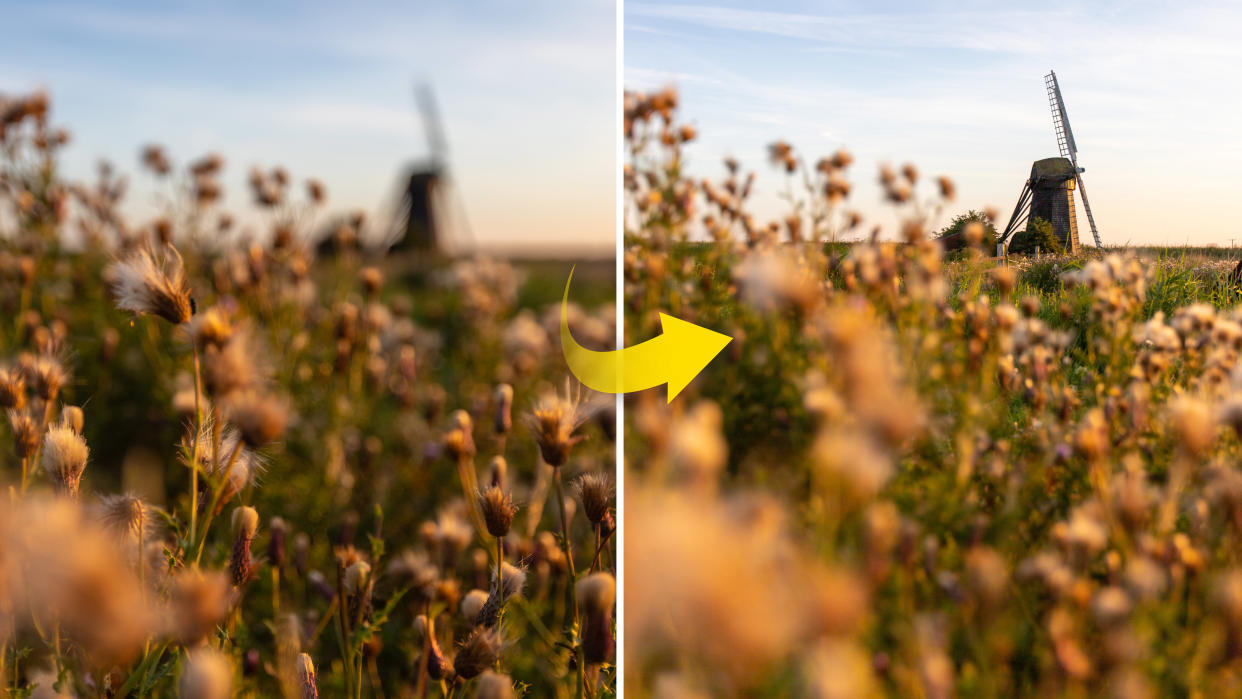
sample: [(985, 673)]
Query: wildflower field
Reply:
[(910, 475), (235, 467)]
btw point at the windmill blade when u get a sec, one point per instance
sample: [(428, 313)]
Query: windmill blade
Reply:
[(1082, 189), (436, 143), (1060, 120)]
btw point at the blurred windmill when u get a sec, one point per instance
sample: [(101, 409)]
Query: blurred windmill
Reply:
[(430, 210), (1049, 191)]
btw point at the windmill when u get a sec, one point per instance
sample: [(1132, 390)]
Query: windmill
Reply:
[(1049, 191), (426, 208)]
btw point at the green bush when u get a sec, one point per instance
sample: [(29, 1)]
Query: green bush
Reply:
[(959, 223), (1037, 236)]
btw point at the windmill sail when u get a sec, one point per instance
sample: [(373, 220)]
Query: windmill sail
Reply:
[(1066, 144)]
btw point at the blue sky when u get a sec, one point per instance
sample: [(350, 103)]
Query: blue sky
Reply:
[(326, 90), (957, 89)]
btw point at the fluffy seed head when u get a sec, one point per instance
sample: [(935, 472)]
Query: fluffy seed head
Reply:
[(597, 592), (356, 576), (245, 521), (494, 686), (472, 604), (206, 674), (64, 458), (71, 416), (145, 285), (231, 366), (260, 419), (199, 602), (514, 582), (124, 515)]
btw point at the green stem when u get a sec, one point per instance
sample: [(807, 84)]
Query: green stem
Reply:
[(217, 493), (347, 656), (500, 588), (569, 558), (198, 430)]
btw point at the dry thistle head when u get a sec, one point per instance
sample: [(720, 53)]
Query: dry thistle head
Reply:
[(231, 366), (64, 459), (459, 439), (498, 471), (372, 280), (145, 285), (25, 434), (554, 421), (212, 327), (514, 582), (504, 408), (45, 375), (498, 510), (241, 464), (316, 192), (477, 653), (594, 491), (306, 677), (12, 388), (276, 544), (206, 674), (156, 160), (260, 419)]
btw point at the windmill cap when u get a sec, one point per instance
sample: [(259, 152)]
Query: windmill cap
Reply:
[(1052, 171)]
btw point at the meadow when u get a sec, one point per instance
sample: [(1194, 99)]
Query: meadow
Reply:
[(920, 475), (237, 463)]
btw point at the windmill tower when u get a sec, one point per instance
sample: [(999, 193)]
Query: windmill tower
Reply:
[(1049, 191), (426, 207)]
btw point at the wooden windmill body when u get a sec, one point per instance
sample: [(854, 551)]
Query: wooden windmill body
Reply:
[(428, 207)]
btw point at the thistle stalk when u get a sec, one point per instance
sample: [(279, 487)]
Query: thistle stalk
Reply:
[(198, 426)]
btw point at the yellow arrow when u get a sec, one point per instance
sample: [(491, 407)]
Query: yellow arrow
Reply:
[(675, 357)]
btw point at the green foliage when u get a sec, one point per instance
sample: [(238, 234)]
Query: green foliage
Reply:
[(1037, 236), (960, 221)]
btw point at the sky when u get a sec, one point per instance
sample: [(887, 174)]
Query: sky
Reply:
[(326, 89), (957, 89)]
